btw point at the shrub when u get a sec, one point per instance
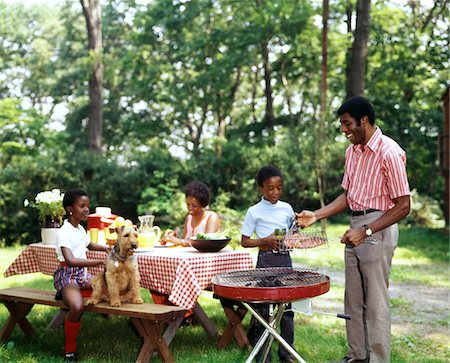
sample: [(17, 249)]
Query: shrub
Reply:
[(425, 212)]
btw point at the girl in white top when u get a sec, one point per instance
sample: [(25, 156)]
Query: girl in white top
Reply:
[(199, 219), (71, 279)]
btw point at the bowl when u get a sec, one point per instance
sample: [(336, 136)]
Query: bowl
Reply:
[(209, 245)]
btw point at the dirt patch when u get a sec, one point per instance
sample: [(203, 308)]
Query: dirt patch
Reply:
[(416, 309)]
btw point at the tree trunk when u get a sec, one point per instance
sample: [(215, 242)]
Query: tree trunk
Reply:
[(254, 91), (285, 84), (269, 117), (321, 131), (93, 15), (226, 105), (358, 53), (324, 69)]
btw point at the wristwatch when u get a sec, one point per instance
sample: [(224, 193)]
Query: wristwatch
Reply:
[(368, 230)]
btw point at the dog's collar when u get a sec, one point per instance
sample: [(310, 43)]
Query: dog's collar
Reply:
[(118, 255)]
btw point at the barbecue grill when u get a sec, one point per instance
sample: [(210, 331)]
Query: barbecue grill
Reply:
[(277, 286), (270, 285)]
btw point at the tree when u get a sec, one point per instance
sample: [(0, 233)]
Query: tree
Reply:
[(358, 53), (322, 129), (93, 15)]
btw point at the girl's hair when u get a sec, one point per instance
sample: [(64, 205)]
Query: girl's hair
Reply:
[(199, 191), (71, 196), (267, 172)]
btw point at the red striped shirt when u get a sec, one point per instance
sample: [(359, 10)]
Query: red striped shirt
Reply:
[(375, 176)]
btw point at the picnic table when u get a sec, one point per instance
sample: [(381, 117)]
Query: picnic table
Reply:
[(181, 273)]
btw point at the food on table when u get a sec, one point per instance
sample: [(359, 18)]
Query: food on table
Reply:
[(120, 221), (213, 236)]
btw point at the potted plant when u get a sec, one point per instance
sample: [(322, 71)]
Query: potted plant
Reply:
[(50, 208)]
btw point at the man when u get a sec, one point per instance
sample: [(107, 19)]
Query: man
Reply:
[(377, 192)]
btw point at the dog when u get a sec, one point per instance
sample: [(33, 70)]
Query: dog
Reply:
[(119, 283)]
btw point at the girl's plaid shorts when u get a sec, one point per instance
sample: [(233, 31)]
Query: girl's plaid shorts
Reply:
[(66, 275)]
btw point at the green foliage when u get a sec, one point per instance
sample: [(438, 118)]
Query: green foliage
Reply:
[(230, 219), (185, 99), (407, 101), (164, 198), (425, 212)]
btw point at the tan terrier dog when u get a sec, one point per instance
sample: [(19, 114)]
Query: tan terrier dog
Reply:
[(120, 281)]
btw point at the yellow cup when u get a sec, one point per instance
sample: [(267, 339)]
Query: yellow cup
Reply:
[(93, 234)]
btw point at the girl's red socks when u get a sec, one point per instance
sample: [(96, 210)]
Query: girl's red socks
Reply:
[(71, 332)]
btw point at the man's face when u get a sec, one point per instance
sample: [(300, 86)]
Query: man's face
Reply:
[(349, 126)]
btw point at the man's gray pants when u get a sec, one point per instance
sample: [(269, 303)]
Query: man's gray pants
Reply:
[(367, 269)]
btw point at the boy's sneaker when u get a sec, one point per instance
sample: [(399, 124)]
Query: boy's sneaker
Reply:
[(352, 360), (70, 357), (288, 359)]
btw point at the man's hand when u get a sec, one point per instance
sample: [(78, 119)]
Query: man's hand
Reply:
[(305, 218), (354, 236)]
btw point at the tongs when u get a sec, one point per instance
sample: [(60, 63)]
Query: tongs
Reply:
[(293, 227)]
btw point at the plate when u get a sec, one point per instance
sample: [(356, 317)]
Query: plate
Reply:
[(165, 246), (143, 249)]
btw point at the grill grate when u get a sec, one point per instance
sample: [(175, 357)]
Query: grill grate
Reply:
[(270, 277)]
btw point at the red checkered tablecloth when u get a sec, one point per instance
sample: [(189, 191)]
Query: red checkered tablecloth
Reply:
[(180, 273), (38, 257)]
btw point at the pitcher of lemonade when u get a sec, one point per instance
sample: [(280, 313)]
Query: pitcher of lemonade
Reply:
[(148, 233)]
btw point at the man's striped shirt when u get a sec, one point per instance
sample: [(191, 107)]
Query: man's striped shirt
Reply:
[(375, 176)]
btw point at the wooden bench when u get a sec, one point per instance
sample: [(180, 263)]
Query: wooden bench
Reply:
[(155, 323)]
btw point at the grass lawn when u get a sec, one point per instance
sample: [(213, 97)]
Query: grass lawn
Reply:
[(420, 259)]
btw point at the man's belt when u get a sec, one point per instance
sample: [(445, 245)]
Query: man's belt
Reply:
[(362, 212)]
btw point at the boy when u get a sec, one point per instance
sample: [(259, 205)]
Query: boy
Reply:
[(263, 218)]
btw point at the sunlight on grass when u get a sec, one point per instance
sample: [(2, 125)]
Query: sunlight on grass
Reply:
[(401, 305), (318, 338), (418, 348)]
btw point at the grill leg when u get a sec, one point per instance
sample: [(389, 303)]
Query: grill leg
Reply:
[(272, 331), (274, 322), (258, 347)]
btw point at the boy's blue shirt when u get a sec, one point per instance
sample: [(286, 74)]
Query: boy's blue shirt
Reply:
[(264, 217)]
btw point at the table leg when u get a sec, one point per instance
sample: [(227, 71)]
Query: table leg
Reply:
[(272, 331), (171, 330), (57, 319), (197, 311), (235, 313), (205, 321)]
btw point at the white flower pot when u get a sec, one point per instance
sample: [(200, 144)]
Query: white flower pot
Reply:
[(49, 235)]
